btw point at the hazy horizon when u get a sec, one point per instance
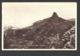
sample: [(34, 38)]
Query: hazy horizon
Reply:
[(25, 14)]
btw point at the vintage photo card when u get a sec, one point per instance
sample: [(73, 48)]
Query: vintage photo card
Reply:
[(47, 26)]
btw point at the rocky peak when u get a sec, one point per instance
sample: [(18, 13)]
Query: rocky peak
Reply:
[(54, 15)]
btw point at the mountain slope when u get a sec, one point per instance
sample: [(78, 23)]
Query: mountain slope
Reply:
[(51, 25), (47, 33)]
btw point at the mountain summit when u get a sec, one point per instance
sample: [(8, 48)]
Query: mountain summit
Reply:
[(54, 15)]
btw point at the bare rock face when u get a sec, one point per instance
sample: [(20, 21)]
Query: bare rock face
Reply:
[(54, 15)]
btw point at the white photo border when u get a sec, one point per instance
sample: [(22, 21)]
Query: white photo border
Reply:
[(2, 40)]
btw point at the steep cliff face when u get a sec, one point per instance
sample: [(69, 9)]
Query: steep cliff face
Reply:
[(47, 33)]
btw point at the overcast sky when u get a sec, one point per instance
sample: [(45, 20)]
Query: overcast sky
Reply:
[(25, 14)]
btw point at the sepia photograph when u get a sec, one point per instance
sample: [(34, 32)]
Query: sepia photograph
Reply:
[(47, 26)]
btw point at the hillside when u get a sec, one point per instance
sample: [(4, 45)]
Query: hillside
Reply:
[(47, 33)]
